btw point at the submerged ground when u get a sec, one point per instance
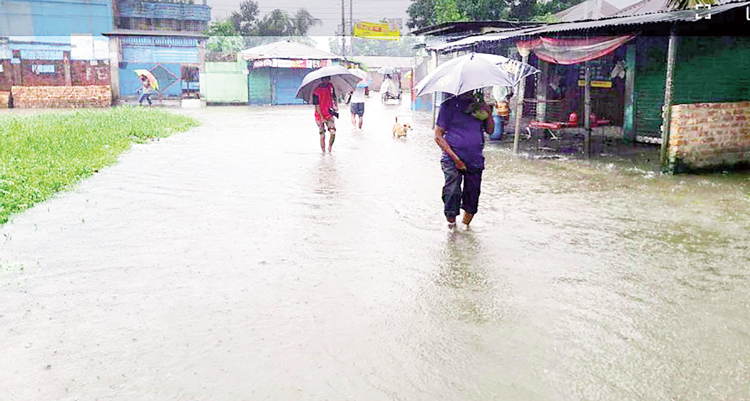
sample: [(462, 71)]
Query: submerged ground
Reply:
[(236, 261)]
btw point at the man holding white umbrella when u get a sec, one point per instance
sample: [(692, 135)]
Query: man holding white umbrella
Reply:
[(463, 121)]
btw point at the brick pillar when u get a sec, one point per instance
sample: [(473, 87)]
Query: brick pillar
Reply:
[(17, 69), (66, 66)]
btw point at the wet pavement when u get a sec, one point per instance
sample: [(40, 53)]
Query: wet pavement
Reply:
[(236, 261)]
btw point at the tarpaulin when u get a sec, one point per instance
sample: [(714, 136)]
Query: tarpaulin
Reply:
[(572, 51)]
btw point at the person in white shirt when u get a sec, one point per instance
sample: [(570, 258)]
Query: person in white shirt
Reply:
[(357, 105)]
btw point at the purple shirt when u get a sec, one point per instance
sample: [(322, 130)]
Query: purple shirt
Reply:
[(462, 131)]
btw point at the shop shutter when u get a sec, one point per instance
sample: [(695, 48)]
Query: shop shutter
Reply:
[(707, 70), (651, 69), (712, 70), (286, 83), (259, 86)]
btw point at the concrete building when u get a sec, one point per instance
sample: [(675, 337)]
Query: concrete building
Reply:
[(163, 37), (53, 43)]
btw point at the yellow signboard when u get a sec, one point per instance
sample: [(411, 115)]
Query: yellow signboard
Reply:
[(596, 84), (377, 30)]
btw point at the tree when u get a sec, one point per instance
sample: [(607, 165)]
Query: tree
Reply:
[(376, 47), (279, 23), (421, 14), (449, 11), (223, 37), (275, 23), (244, 21), (687, 4), (424, 13), (484, 10), (303, 21)]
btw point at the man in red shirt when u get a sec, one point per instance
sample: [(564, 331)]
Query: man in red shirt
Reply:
[(324, 99)]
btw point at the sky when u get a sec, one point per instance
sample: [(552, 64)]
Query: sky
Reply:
[(327, 10)]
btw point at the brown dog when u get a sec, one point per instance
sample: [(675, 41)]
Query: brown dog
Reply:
[(399, 130)]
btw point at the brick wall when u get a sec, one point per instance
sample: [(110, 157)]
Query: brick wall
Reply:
[(706, 136), (6, 76), (4, 96), (34, 97)]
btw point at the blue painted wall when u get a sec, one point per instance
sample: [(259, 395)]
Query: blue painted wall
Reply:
[(129, 82), (55, 17), (195, 12)]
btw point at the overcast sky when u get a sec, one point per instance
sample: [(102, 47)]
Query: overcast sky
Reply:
[(327, 10)]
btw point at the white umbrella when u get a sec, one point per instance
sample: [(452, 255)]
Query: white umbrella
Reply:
[(362, 74), (342, 79), (387, 70), (366, 79), (474, 71)]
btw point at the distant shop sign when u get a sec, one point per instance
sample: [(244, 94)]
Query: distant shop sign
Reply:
[(390, 30), (286, 63)]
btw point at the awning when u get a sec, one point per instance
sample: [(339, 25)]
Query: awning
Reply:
[(572, 51)]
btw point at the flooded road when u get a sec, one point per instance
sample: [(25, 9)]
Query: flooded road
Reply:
[(237, 262)]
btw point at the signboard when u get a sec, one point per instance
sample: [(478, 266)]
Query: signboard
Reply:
[(596, 84), (81, 47), (101, 49), (390, 30), (43, 68), (285, 63), (600, 70)]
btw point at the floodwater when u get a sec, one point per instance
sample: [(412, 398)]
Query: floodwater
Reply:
[(238, 262)]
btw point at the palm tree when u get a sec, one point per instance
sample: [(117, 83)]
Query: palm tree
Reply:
[(303, 21), (275, 23), (687, 4)]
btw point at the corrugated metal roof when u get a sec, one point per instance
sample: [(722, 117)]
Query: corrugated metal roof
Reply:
[(287, 50), (652, 6), (586, 10), (134, 32), (384, 61), (458, 27), (672, 16)]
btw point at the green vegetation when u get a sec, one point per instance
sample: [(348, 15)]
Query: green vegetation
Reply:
[(46, 153)]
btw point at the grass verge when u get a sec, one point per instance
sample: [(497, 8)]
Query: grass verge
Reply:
[(43, 154)]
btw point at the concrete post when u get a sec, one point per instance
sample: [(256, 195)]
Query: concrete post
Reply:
[(114, 67), (519, 100), (587, 108), (541, 91), (629, 121), (667, 112), (201, 67)]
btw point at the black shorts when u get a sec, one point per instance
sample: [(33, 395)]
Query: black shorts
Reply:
[(357, 108)]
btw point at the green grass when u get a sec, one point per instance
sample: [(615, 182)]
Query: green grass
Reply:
[(43, 154)]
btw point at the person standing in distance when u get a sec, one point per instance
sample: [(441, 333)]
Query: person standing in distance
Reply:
[(459, 131), (357, 105), (326, 107)]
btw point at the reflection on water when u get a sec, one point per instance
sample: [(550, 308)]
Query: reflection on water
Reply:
[(226, 262)]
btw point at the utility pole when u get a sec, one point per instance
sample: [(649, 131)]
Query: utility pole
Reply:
[(343, 30)]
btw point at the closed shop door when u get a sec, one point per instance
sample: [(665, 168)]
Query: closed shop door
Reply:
[(259, 86), (286, 82)]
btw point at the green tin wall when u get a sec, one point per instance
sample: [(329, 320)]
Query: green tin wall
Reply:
[(707, 69), (259, 86), (225, 82)]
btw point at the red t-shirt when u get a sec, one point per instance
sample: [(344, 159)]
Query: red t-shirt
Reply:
[(325, 100)]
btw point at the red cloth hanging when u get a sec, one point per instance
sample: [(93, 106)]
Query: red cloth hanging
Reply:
[(572, 51)]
